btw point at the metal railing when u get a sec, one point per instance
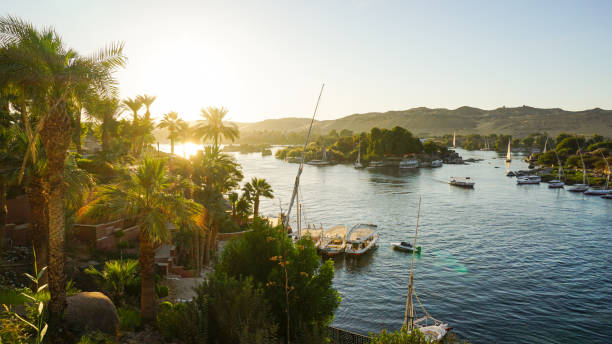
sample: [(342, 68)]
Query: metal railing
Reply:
[(339, 336)]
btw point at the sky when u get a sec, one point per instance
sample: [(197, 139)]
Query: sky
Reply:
[(268, 59)]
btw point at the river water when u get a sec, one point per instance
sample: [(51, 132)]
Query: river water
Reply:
[(502, 263)]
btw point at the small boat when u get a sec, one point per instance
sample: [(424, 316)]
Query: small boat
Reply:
[(510, 174), (465, 182), (358, 163), (376, 164), (323, 161), (409, 163), (585, 178), (508, 154), (405, 247), (333, 240), (606, 190), (528, 180), (556, 183), (361, 239), (436, 163)]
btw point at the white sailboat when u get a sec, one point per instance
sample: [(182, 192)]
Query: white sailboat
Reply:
[(509, 154), (556, 183), (585, 178), (606, 190), (323, 161), (430, 327), (454, 140), (358, 162), (545, 143)]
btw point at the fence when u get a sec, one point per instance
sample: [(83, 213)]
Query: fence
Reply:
[(339, 336)]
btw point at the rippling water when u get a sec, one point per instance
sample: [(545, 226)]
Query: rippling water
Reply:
[(502, 263)]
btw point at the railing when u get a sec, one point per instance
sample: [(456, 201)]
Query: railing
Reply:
[(339, 336)]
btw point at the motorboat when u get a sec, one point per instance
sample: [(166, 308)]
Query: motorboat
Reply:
[(528, 180), (409, 163), (361, 239), (465, 182), (333, 240), (405, 247), (436, 163)]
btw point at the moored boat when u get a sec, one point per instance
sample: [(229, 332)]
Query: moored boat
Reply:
[(465, 182), (361, 239), (509, 154), (436, 163), (405, 247), (608, 196), (409, 163), (556, 183), (333, 240), (605, 190), (376, 164), (585, 177), (528, 180), (358, 163)]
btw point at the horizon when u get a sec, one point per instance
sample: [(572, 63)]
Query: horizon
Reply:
[(268, 60)]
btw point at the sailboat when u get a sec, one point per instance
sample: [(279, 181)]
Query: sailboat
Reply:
[(486, 145), (556, 183), (509, 154), (545, 143), (430, 327), (454, 140), (358, 162), (323, 161), (585, 178), (605, 190)]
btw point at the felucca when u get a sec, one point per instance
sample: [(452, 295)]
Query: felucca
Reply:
[(509, 154), (358, 162), (437, 329), (556, 183), (333, 240), (585, 177), (605, 190)]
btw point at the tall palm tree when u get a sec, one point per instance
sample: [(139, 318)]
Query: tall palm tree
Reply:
[(257, 187), (175, 126), (149, 197), (133, 105), (213, 127), (60, 75), (146, 100), (106, 111)]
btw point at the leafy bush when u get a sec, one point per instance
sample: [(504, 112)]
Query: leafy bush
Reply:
[(129, 319), (116, 277), (96, 338), (161, 290), (186, 322), (404, 337), (258, 255)]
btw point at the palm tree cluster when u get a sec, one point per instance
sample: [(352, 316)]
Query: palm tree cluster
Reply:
[(45, 89)]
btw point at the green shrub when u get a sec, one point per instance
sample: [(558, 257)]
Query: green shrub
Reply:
[(185, 322), (96, 338), (115, 278), (161, 290), (129, 319)]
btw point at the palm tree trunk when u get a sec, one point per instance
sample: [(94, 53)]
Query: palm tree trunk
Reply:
[(77, 132), (56, 135), (146, 259), (172, 147), (256, 207), (39, 223), (3, 213)]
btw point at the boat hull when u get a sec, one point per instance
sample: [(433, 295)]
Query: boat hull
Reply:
[(596, 192), (578, 188)]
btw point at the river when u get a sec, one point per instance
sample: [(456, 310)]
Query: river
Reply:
[(502, 263)]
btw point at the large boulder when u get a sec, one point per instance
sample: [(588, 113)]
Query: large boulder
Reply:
[(90, 312)]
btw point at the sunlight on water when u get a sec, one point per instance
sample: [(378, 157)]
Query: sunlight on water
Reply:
[(185, 150)]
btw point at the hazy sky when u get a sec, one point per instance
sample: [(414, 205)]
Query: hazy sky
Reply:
[(267, 59)]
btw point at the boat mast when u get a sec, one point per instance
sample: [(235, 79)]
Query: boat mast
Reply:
[(608, 166), (301, 167), (298, 213), (359, 151), (584, 172), (409, 311)]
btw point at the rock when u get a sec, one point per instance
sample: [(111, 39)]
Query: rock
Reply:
[(90, 312)]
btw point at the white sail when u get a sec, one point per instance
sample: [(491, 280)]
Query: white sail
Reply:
[(359, 153), (508, 155), (545, 144), (454, 137)]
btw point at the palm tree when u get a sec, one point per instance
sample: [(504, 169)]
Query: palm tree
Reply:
[(148, 197), (106, 111), (258, 187), (175, 126), (146, 100), (233, 199), (115, 277), (60, 76), (132, 105), (243, 209), (214, 128)]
